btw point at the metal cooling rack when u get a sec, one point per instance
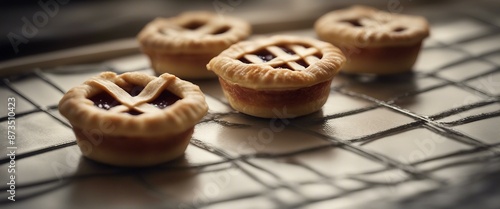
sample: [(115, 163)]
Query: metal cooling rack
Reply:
[(378, 142)]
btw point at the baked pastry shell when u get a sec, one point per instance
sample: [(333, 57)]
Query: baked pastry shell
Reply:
[(186, 55), (132, 151), (265, 77), (175, 119), (381, 60), (386, 29), (184, 66), (152, 39), (276, 103), (261, 90), (375, 42)]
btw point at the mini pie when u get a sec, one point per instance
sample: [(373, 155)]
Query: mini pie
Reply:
[(279, 76), (183, 45), (374, 41), (133, 119)]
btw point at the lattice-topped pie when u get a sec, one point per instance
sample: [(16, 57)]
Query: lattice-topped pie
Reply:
[(133, 119), (374, 41), (183, 45), (279, 76)]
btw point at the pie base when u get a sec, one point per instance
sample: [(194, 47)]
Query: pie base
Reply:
[(276, 103), (184, 66), (184, 44), (380, 60), (131, 151)]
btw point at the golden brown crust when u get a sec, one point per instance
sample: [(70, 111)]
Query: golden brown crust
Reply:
[(276, 104), (177, 118), (209, 33), (132, 151), (322, 62), (382, 60), (183, 66), (362, 26)]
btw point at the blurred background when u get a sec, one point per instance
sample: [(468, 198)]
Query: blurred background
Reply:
[(58, 24), (34, 27)]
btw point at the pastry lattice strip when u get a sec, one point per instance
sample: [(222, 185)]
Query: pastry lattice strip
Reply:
[(140, 102), (295, 57), (378, 21), (210, 28)]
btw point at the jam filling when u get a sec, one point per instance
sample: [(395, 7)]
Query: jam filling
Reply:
[(221, 30), (399, 29), (267, 56), (287, 50), (244, 60), (303, 63), (319, 56), (283, 66), (353, 22), (193, 25), (164, 100), (105, 101)]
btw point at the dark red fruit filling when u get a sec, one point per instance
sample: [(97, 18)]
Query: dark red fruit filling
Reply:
[(221, 30), (164, 100), (193, 25), (287, 50), (353, 22), (105, 101), (399, 29), (265, 55)]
